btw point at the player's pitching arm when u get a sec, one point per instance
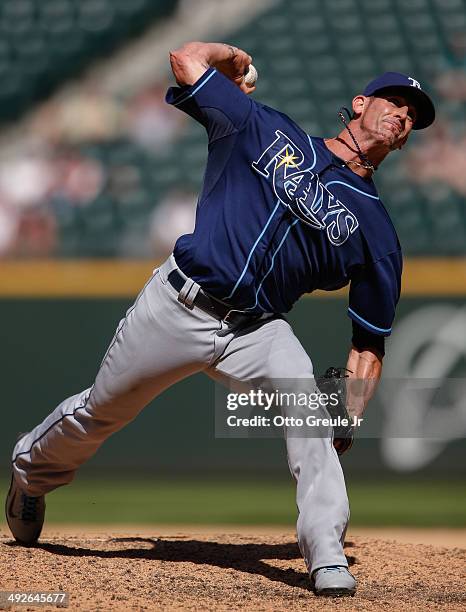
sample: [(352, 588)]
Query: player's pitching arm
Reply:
[(365, 370), (190, 61)]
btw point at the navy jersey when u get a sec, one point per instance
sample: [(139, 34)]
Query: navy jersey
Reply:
[(279, 215)]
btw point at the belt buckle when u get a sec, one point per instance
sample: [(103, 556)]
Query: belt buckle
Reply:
[(226, 319)]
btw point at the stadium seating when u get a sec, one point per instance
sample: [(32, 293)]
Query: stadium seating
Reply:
[(312, 56), (46, 41)]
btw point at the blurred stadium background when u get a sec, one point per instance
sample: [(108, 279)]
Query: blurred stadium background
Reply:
[(98, 177)]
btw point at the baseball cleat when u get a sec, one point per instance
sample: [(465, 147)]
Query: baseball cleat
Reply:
[(334, 581), (24, 514)]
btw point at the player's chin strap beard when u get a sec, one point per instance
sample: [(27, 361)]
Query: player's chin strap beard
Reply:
[(365, 160)]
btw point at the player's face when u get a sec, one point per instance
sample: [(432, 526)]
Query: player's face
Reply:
[(389, 119)]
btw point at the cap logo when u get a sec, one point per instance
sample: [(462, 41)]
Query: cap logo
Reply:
[(414, 83)]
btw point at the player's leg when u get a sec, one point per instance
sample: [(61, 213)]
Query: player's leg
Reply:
[(159, 342), (270, 351)]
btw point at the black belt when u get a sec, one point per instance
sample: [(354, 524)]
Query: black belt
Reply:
[(214, 307)]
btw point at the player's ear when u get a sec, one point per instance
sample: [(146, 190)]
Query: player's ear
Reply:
[(358, 105)]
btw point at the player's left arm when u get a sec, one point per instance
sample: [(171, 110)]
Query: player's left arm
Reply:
[(364, 367), (374, 294)]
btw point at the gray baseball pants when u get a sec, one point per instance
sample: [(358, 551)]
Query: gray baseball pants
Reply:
[(159, 342)]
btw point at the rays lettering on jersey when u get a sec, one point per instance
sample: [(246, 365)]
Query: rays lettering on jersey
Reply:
[(301, 191)]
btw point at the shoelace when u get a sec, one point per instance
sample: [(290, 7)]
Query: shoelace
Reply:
[(29, 508)]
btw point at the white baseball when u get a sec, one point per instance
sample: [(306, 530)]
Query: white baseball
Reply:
[(251, 77)]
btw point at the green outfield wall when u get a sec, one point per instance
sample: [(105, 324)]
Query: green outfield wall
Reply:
[(51, 348)]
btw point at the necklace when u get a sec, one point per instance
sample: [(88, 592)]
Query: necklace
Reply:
[(365, 160), (356, 163)]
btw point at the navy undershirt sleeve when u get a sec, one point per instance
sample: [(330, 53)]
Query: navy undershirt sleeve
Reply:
[(215, 102), (366, 340)]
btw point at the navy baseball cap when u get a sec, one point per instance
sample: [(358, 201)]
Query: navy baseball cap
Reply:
[(395, 82)]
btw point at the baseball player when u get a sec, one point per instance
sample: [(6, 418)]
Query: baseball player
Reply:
[(281, 213)]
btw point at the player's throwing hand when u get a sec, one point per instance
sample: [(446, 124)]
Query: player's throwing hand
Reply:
[(191, 61), (235, 67)]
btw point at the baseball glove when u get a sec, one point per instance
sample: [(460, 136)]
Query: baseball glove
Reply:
[(333, 382)]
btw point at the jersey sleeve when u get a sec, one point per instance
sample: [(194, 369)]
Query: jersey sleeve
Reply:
[(215, 102), (374, 294)]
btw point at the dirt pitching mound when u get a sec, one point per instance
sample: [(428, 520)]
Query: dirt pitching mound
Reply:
[(193, 570)]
